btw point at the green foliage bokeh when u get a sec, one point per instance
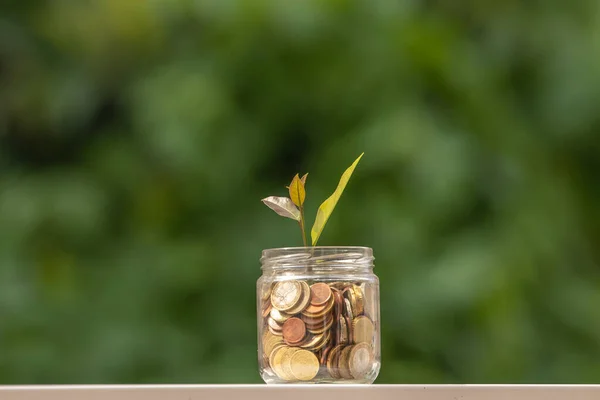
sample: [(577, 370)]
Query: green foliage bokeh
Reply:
[(138, 137)]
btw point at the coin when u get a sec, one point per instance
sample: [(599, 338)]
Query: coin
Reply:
[(360, 360), (317, 322), (348, 309), (293, 330), (274, 324), (351, 297), (360, 300), (275, 360), (368, 292), (324, 354), (343, 362), (271, 358), (275, 332), (363, 329), (285, 295), (320, 293), (279, 316), (265, 292), (286, 368), (332, 361), (304, 365), (319, 311), (266, 310), (304, 300), (325, 339), (350, 330), (271, 343), (320, 329), (342, 332), (312, 342), (338, 300)]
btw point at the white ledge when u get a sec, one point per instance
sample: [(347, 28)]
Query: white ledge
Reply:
[(301, 392)]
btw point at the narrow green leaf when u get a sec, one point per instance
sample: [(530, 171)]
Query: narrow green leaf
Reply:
[(297, 193), (282, 206), (327, 207)]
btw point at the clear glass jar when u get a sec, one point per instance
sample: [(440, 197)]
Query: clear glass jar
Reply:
[(318, 315)]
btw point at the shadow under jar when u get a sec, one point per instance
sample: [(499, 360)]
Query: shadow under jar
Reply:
[(318, 315)]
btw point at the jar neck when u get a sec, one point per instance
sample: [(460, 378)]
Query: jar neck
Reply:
[(318, 259)]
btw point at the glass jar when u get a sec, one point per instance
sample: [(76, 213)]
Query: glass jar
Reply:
[(318, 315)]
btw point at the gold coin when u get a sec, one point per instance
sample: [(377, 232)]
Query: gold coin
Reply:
[(360, 361), (275, 360), (323, 342), (304, 365), (266, 291), (272, 354), (363, 329), (304, 300), (266, 336), (271, 343), (285, 295), (332, 360), (312, 342), (279, 316), (360, 300), (343, 368), (286, 368)]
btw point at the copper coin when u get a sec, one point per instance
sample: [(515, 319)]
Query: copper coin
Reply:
[(318, 311), (338, 300), (294, 330), (324, 353), (320, 293), (321, 328), (318, 321)]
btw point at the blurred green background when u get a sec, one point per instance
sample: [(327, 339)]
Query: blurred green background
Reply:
[(138, 137)]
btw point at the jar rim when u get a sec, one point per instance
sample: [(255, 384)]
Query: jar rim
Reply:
[(317, 256)]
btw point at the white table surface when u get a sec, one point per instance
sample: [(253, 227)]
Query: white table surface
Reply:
[(304, 392)]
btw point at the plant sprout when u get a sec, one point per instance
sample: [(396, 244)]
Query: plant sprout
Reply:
[(293, 207)]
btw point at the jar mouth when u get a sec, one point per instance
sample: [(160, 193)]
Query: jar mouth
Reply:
[(317, 257)]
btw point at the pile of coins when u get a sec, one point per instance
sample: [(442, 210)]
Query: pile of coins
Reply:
[(323, 330)]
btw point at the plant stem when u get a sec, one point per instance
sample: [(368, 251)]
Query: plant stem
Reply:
[(302, 225)]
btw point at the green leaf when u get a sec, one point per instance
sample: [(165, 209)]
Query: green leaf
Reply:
[(327, 207), (282, 206), (297, 192)]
